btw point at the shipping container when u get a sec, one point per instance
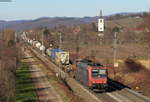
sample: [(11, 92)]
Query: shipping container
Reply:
[(28, 40), (62, 57), (34, 43), (31, 41), (38, 45), (42, 48), (48, 51), (53, 53)]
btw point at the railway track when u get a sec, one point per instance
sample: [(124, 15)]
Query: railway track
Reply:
[(120, 93), (44, 90), (115, 93)]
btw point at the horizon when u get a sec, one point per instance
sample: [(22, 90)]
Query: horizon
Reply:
[(65, 16), (30, 10)]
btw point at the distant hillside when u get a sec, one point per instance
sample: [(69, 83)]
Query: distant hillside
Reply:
[(56, 21), (44, 22)]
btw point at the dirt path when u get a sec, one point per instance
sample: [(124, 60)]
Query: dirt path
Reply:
[(45, 91)]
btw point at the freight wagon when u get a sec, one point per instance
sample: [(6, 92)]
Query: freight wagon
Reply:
[(42, 48), (91, 74), (38, 45), (58, 56)]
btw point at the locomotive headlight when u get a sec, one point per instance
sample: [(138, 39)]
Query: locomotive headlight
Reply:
[(104, 81)]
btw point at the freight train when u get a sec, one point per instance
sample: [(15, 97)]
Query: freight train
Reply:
[(87, 72)]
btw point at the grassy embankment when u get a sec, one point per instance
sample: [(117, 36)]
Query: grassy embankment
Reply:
[(25, 91)]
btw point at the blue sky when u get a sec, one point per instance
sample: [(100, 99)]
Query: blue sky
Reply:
[(31, 9)]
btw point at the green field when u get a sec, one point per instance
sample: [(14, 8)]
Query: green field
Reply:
[(25, 91)]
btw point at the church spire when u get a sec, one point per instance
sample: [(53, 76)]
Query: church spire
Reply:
[(101, 14)]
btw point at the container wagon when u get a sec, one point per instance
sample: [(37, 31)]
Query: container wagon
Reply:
[(58, 56)]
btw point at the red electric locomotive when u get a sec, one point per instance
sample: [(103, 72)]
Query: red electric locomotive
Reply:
[(93, 75)]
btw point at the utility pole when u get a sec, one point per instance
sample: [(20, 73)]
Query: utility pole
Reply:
[(115, 48), (3, 33), (16, 36), (77, 44), (115, 30), (76, 32), (43, 41), (115, 53), (60, 40)]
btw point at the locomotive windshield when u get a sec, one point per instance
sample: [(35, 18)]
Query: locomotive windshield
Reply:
[(99, 73)]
